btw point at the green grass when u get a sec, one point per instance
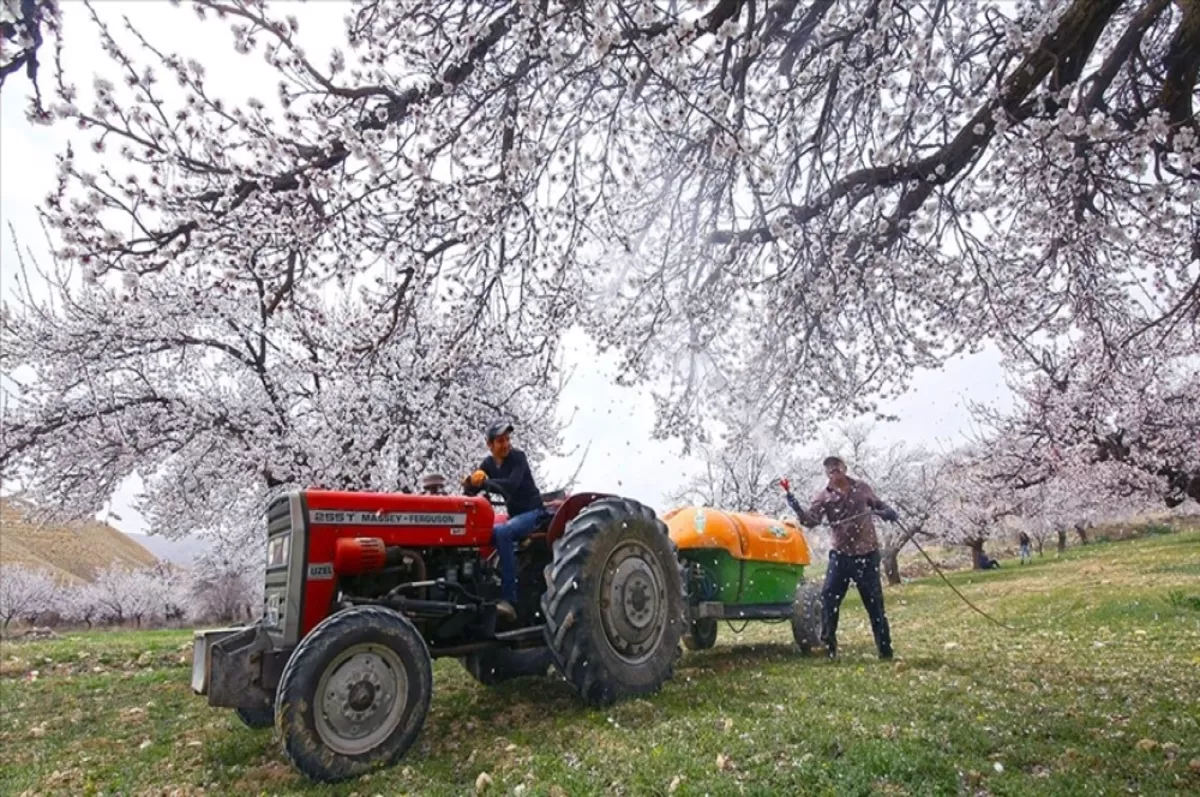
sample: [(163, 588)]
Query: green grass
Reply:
[(1106, 655)]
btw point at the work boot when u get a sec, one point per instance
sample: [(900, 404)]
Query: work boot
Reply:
[(885, 655), (505, 611), (831, 652)]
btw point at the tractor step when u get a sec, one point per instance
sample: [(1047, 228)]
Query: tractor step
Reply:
[(532, 632), (501, 641), (752, 611)]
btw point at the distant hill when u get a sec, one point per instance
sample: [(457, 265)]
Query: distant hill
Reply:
[(182, 553), (73, 551)]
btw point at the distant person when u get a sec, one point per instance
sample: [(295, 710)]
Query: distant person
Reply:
[(848, 506), (1023, 541), (987, 563)]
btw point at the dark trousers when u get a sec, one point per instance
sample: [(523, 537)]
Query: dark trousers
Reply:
[(864, 572), (504, 539)]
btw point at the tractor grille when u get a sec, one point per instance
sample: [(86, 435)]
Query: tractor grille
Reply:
[(279, 556), (279, 516)]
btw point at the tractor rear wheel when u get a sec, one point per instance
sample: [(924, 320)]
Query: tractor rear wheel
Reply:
[(256, 718), (614, 602), (806, 617), (354, 694), (702, 634), (491, 667)]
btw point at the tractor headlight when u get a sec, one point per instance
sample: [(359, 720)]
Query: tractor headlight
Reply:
[(273, 612)]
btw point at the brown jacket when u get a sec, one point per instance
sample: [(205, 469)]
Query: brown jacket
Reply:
[(850, 516)]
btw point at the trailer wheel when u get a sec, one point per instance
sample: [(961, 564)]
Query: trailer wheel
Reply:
[(614, 602), (701, 634), (491, 667), (256, 718), (354, 694), (806, 617)]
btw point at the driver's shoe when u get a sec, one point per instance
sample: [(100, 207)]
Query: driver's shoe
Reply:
[(505, 611)]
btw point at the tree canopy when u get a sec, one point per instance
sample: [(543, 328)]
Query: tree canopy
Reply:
[(774, 210)]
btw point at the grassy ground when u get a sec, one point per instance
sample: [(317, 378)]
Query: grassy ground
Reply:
[(1096, 692)]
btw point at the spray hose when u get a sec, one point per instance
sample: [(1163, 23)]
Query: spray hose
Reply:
[(913, 538)]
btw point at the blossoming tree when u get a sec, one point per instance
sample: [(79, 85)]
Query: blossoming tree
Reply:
[(776, 210), (24, 592), (974, 508), (1123, 428), (220, 395), (740, 475)]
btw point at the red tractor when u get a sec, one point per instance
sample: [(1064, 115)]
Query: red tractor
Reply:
[(364, 590)]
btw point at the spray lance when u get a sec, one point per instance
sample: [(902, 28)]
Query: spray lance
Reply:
[(912, 537)]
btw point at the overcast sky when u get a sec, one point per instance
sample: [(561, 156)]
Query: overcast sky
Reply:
[(612, 423)]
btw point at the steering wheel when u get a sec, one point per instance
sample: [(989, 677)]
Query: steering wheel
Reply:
[(494, 498)]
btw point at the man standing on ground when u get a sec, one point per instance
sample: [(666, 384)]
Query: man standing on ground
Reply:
[(848, 506), (506, 471), (1023, 539)]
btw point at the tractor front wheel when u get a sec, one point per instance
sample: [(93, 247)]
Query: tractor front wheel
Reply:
[(702, 634), (614, 602), (806, 617), (354, 694), (492, 667)]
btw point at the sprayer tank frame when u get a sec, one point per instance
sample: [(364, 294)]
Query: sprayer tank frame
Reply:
[(746, 558)]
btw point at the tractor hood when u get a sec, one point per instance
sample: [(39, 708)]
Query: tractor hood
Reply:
[(400, 518)]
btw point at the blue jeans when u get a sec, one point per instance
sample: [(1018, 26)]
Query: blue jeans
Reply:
[(505, 538), (864, 572)]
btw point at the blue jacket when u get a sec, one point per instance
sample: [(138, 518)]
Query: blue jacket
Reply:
[(512, 479)]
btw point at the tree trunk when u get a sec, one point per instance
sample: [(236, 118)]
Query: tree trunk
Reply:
[(976, 547), (1062, 540), (1081, 530), (891, 565)]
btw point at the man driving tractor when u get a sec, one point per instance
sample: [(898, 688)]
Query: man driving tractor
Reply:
[(506, 471), (848, 505)]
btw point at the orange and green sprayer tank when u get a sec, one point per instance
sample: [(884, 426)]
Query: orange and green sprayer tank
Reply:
[(745, 558)]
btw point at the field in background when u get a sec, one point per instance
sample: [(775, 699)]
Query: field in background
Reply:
[(1094, 692)]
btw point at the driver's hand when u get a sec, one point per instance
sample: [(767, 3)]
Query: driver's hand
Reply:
[(477, 478)]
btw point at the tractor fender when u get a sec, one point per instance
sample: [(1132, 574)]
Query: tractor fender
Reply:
[(567, 511)]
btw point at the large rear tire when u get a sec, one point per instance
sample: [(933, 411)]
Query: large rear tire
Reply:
[(354, 694), (806, 617), (492, 667), (701, 634), (614, 602)]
